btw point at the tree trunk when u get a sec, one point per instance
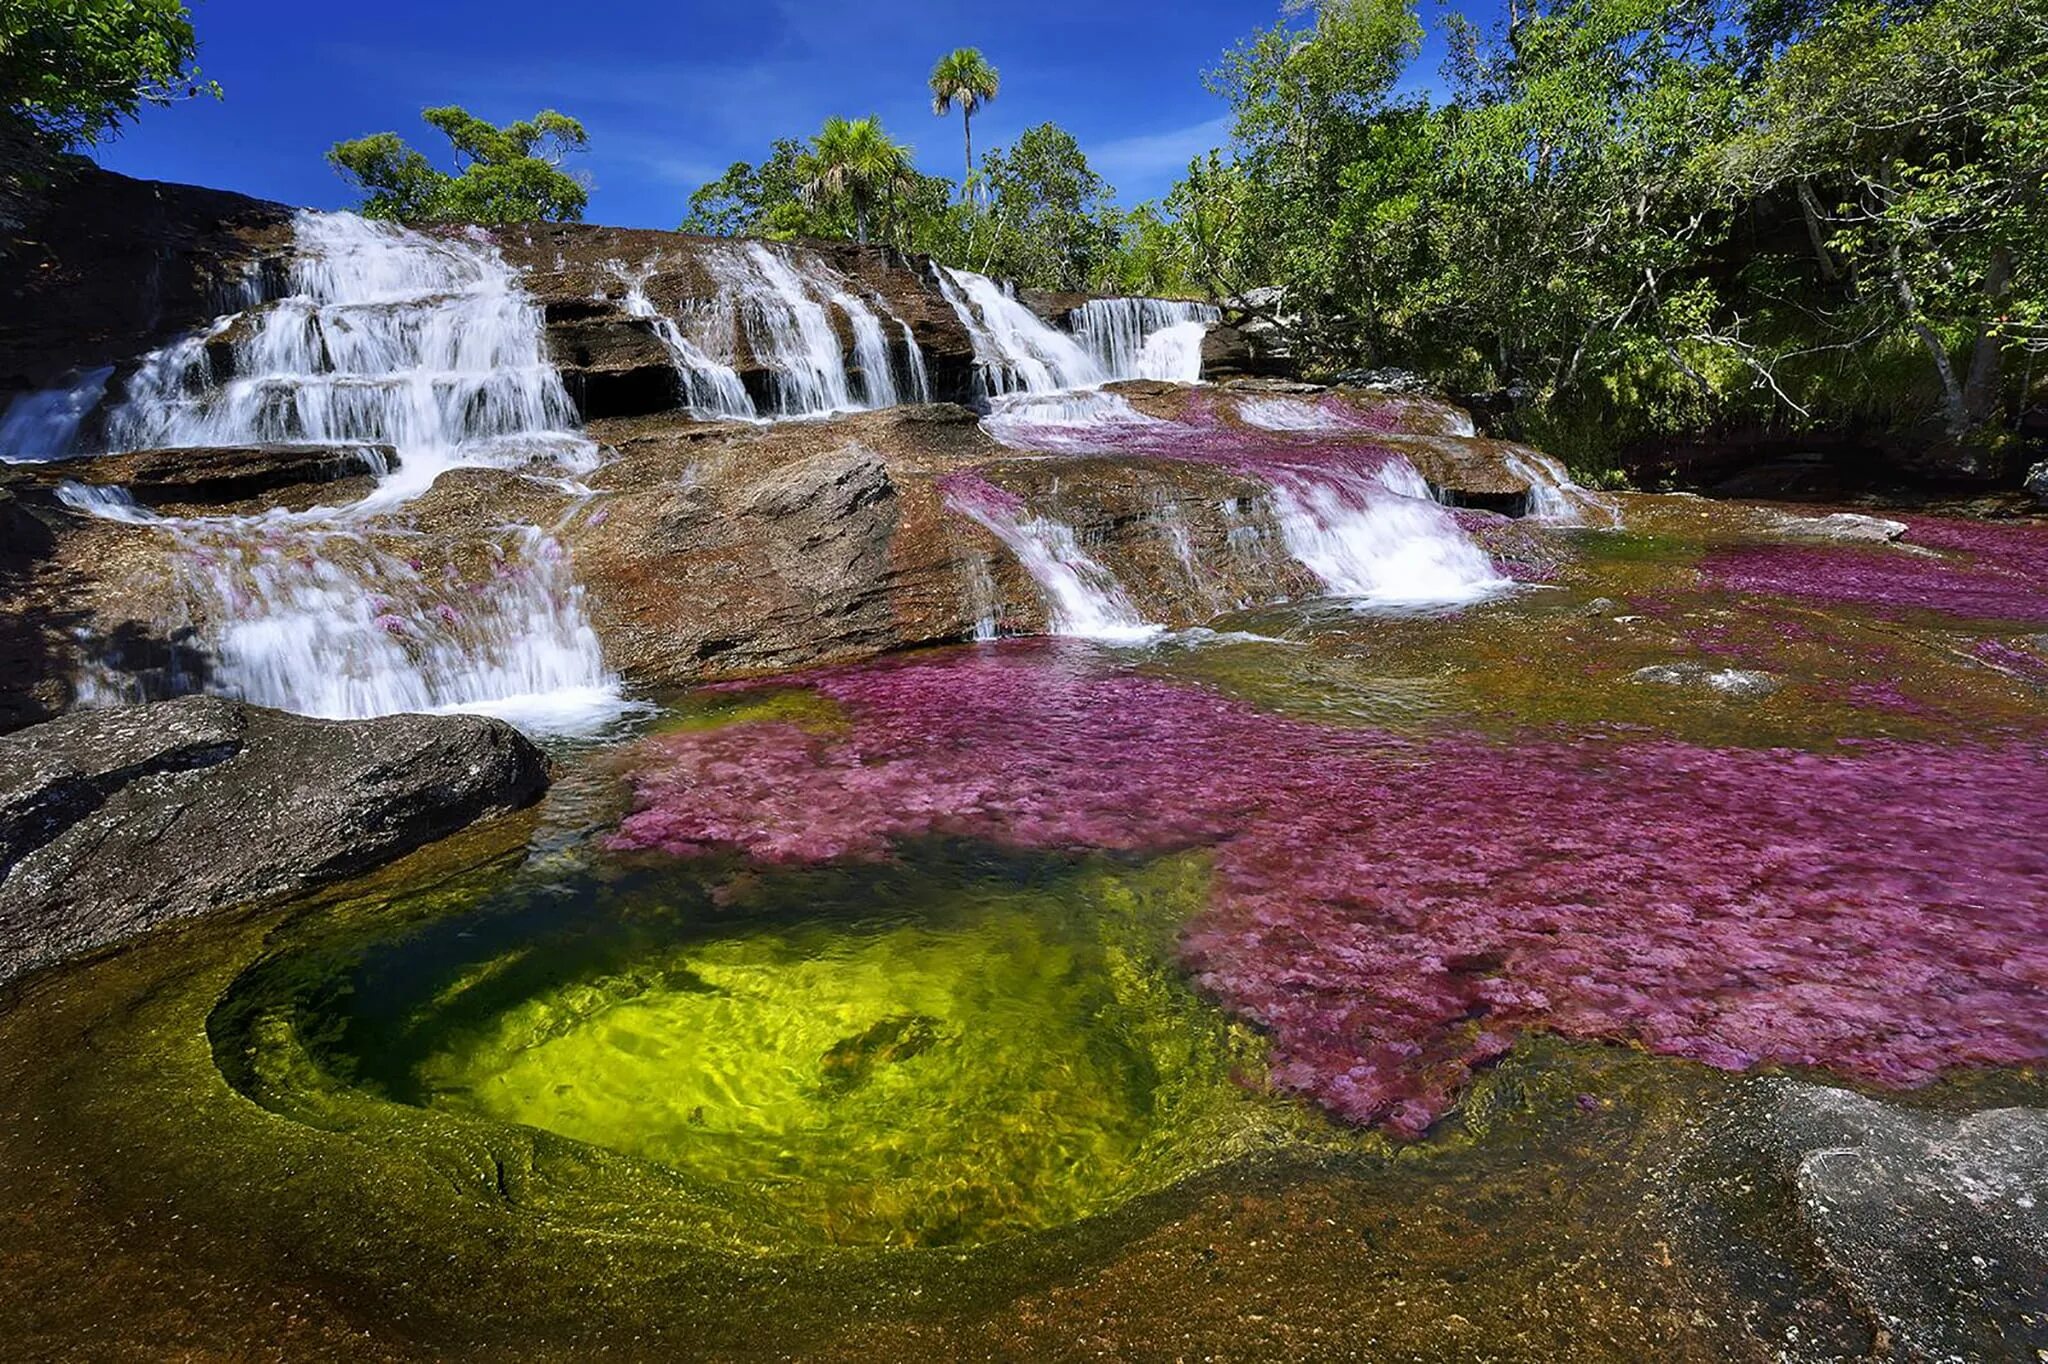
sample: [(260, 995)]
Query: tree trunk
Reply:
[(967, 122), (1951, 390), (1809, 209), (1987, 361)]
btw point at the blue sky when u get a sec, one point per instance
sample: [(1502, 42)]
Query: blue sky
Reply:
[(672, 92)]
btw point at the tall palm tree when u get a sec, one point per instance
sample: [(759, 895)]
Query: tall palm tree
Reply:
[(964, 78), (853, 160)]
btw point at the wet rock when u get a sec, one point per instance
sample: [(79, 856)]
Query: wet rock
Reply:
[(113, 822), (1843, 528), (1248, 349), (1739, 682), (1937, 1225), (613, 365), (2037, 482), (219, 475)]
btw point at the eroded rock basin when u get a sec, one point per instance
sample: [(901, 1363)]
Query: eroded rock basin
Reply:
[(1323, 985)]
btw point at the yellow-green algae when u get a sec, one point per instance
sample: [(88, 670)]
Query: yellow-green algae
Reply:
[(920, 1054)]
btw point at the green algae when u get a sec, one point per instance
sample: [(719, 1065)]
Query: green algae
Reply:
[(916, 1055)]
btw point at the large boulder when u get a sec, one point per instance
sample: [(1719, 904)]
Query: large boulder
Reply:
[(113, 822), (2037, 482)]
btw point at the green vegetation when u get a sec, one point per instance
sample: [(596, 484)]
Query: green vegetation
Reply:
[(854, 164), (511, 174), (73, 71), (1652, 217), (964, 78)]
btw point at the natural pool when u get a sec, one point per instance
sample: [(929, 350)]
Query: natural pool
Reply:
[(1392, 986)]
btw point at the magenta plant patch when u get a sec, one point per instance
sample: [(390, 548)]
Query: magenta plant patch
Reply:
[(1986, 572), (1394, 911)]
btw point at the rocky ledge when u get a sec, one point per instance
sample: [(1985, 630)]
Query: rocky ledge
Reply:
[(113, 822)]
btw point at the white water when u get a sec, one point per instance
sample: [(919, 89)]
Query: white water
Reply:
[(920, 377), (711, 387), (1014, 350), (1145, 338), (1288, 414), (44, 426), (1555, 500), (425, 344), (1085, 599), (1381, 540)]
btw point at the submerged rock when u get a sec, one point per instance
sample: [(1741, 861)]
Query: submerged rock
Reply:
[(1935, 1224), (1742, 682), (113, 822), (1844, 527)]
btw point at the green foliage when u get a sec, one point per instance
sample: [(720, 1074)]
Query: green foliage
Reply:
[(853, 164), (511, 174), (964, 78), (73, 71), (1051, 221), (1650, 216)]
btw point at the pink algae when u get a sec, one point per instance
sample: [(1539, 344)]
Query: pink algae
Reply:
[(1984, 571), (1394, 912)]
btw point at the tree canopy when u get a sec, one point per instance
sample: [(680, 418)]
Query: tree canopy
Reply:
[(73, 71), (508, 174), (964, 79)]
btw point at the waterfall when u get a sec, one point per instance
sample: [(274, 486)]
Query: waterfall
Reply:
[(870, 352), (390, 336), (1361, 520), (1381, 539), (1555, 499), (44, 426), (711, 387), (1014, 350), (1084, 597), (914, 367), (1145, 338)]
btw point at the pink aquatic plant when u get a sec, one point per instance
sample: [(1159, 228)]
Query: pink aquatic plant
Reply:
[(1985, 572), (1394, 912)]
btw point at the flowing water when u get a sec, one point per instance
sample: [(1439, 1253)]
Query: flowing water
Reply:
[(1145, 338), (387, 339)]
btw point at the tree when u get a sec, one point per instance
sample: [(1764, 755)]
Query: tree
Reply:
[(964, 77), (511, 174), (853, 162), (73, 71)]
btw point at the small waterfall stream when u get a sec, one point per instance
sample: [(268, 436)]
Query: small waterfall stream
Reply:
[(44, 426), (1084, 597), (1145, 338), (395, 338)]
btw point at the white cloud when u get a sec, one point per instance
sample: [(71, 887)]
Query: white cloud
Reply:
[(1135, 165)]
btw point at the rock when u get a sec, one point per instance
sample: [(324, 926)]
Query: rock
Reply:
[(613, 365), (112, 267), (1739, 682), (1244, 350), (2037, 482), (113, 822), (1938, 1225), (217, 475), (1843, 528), (1387, 380)]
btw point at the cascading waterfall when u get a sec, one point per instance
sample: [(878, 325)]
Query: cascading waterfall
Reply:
[(1145, 338), (424, 344), (44, 426), (1014, 350), (1555, 499), (1085, 599), (920, 387), (1363, 523), (711, 387)]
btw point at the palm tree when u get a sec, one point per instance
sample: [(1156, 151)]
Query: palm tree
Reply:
[(965, 78), (853, 160)]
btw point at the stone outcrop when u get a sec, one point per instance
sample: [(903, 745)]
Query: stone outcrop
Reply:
[(2037, 483), (112, 267), (113, 822), (218, 476)]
